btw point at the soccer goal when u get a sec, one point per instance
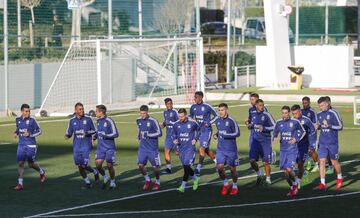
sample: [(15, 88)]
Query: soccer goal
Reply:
[(125, 73), (357, 110)]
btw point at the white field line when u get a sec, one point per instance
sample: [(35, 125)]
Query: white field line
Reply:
[(209, 207), (146, 194)]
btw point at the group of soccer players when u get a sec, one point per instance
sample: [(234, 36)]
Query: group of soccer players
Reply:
[(297, 136)]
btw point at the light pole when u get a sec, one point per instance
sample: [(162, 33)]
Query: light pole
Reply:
[(6, 35)]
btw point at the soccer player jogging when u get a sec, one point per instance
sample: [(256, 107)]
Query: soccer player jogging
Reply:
[(291, 132), (106, 132), (262, 123), (329, 125), (148, 139), (27, 129), (226, 152), (306, 143), (185, 135), (170, 117), (202, 113), (82, 128), (309, 112)]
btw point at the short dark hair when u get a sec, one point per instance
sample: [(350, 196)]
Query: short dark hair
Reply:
[(285, 107), (79, 104), (182, 111), (327, 98), (166, 100), (101, 108), (144, 108), (321, 100), (199, 93), (25, 106), (223, 105), (295, 107), (306, 98), (259, 101), (255, 95)]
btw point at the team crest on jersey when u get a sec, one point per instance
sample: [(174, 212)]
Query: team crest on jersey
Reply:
[(227, 123), (84, 122), (202, 108), (302, 122), (148, 124), (328, 117), (179, 127), (309, 114), (105, 124), (27, 122), (218, 123), (188, 126), (75, 124), (171, 114), (262, 118), (281, 125), (291, 124)]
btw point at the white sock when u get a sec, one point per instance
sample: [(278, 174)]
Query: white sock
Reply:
[(226, 182), (112, 181), (87, 180), (41, 171), (339, 176), (183, 184), (95, 172), (322, 180), (106, 178), (258, 173), (297, 180), (147, 178), (234, 185), (268, 178), (20, 181), (169, 166), (198, 167), (215, 161), (158, 181)]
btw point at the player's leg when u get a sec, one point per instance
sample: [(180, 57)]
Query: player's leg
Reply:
[(232, 160), (156, 163), (208, 151), (254, 154), (330, 167), (168, 145), (142, 161), (81, 160), (220, 157), (315, 158), (20, 184), (334, 156), (300, 160), (267, 152), (110, 160), (31, 156), (323, 153), (94, 171), (290, 175)]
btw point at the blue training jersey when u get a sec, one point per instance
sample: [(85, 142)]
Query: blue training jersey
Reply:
[(185, 132), (310, 137), (29, 125), (203, 113), (83, 130), (228, 131), (288, 130), (261, 120), (151, 133), (310, 113), (329, 133), (106, 132), (170, 117)]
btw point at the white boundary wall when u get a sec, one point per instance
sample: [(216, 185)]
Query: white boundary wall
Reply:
[(326, 66)]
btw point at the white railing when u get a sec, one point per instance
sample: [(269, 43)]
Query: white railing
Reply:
[(211, 73), (245, 76)]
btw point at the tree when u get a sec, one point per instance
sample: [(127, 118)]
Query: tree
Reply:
[(31, 4), (172, 16)]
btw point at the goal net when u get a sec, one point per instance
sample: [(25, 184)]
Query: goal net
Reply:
[(125, 73)]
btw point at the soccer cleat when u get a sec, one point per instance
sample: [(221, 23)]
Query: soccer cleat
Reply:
[(293, 191), (321, 187), (225, 189), (259, 181), (156, 187), (42, 177), (234, 191), (19, 187), (181, 189), (112, 186), (339, 183), (330, 170), (104, 184), (315, 169), (147, 185), (166, 171), (196, 183)]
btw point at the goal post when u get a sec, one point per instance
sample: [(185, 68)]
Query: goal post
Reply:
[(125, 73)]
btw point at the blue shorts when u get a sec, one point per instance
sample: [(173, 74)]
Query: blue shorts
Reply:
[(152, 156), (230, 158), (81, 158), (326, 151), (169, 144), (261, 149), (108, 155), (26, 153), (303, 153), (205, 138), (187, 157), (288, 159)]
